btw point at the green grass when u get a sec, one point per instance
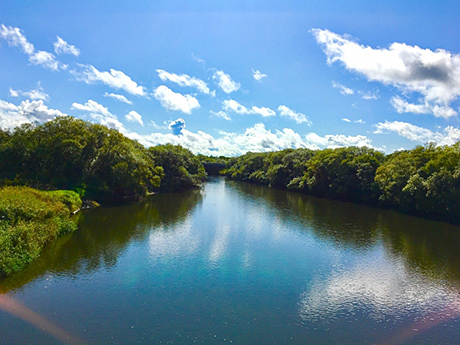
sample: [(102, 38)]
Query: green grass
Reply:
[(29, 219)]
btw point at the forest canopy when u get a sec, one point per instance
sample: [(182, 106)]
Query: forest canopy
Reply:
[(93, 160), (423, 181)]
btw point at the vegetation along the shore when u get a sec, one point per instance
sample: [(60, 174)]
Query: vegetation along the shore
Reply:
[(424, 181), (29, 219), (94, 162)]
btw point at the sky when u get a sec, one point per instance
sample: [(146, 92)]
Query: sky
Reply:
[(227, 77)]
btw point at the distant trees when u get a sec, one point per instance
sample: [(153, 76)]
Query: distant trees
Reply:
[(423, 181), (95, 161), (182, 169)]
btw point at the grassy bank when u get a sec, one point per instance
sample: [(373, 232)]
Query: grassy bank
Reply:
[(29, 219)]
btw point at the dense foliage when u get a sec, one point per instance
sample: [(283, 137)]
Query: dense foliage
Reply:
[(423, 181), (182, 169), (97, 162), (213, 165), (29, 219)]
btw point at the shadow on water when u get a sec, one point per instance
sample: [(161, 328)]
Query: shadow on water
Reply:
[(425, 245), (428, 251), (102, 236)]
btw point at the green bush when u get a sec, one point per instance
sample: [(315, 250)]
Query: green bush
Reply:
[(29, 219)]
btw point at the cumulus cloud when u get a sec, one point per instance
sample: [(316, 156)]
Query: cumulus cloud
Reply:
[(449, 136), (171, 100), (402, 106), (45, 59), (118, 97), (15, 38), (12, 115), (134, 116), (225, 82), (257, 75), (177, 126), (234, 106), (184, 80), (62, 47), (342, 88), (297, 117), (338, 140), (91, 107), (101, 114), (435, 75), (115, 79), (255, 139), (32, 94)]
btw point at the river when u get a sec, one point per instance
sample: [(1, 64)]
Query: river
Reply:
[(243, 264)]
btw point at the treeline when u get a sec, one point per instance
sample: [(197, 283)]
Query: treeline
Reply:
[(93, 160), (424, 181)]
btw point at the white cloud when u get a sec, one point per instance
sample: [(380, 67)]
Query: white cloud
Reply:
[(449, 136), (32, 94), (342, 88), (225, 82), (115, 79), (338, 140), (234, 106), (118, 97), (171, 100), (91, 107), (134, 116), (177, 126), (369, 95), (433, 74), (15, 38), (45, 59), (345, 119), (221, 114), (62, 47), (110, 121), (257, 75), (297, 117), (360, 121), (254, 139), (198, 59), (26, 112), (402, 106), (101, 114), (184, 80)]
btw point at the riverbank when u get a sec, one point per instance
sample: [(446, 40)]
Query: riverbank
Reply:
[(424, 181), (30, 219)]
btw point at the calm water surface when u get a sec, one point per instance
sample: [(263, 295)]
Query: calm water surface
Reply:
[(242, 264)]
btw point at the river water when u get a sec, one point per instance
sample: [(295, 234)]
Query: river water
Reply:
[(243, 264)]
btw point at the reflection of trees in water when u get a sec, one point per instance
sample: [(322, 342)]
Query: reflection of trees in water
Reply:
[(429, 246), (104, 233)]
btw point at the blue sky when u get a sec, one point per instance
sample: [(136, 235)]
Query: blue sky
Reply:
[(227, 77)]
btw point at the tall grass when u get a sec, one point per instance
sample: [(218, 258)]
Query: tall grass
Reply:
[(29, 219)]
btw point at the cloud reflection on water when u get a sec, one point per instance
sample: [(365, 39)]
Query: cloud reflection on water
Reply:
[(384, 287)]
